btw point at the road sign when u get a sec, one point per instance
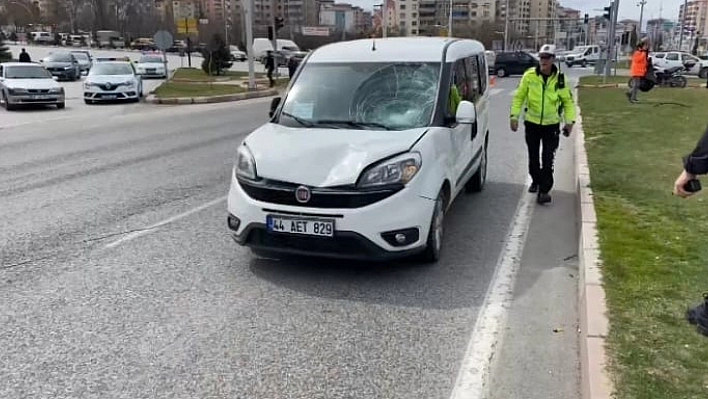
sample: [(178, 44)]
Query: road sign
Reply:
[(187, 25), (163, 40), (315, 31)]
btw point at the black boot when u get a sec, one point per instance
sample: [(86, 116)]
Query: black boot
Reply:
[(543, 198), (533, 188), (698, 315)]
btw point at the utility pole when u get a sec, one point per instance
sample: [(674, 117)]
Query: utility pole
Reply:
[(226, 23), (683, 23), (641, 17), (248, 14), (506, 26), (449, 22), (614, 7), (384, 19)]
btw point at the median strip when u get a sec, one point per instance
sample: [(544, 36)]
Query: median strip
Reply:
[(193, 86), (641, 248)]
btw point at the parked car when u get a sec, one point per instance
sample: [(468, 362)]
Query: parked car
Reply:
[(63, 65), (152, 65), (23, 83), (670, 59), (365, 169), (513, 63), (84, 59)]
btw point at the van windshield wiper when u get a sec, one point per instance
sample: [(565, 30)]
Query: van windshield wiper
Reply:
[(360, 125), (303, 122)]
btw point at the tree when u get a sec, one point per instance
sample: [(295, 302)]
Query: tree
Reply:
[(217, 57), (5, 54), (633, 37)]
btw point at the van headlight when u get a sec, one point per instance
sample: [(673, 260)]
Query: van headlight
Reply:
[(245, 163), (400, 169)]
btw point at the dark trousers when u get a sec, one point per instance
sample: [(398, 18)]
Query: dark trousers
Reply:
[(541, 170)]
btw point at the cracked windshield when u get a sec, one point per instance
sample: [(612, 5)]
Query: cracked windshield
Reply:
[(496, 199)]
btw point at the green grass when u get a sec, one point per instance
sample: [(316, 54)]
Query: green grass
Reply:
[(653, 244), (179, 89), (597, 80), (198, 75)]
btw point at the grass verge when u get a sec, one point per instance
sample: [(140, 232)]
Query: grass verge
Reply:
[(597, 80), (179, 89), (653, 244), (197, 75)]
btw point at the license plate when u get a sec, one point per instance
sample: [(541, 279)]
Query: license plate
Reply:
[(40, 97), (301, 226), (109, 97), (151, 71)]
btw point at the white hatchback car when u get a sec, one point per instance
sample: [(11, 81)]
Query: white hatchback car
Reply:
[(365, 153)]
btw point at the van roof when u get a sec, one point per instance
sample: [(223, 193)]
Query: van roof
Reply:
[(412, 49)]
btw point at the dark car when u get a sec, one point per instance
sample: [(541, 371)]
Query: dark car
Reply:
[(63, 65), (513, 63)]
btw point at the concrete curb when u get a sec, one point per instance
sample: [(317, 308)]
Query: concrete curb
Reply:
[(212, 99), (624, 86), (595, 379)]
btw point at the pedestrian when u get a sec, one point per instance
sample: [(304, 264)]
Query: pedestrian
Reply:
[(547, 100), (639, 69), (694, 164), (270, 67), (24, 56)]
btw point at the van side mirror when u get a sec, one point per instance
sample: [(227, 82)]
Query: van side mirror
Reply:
[(466, 113), (273, 106)]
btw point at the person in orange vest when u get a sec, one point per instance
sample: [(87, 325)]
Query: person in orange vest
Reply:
[(640, 65)]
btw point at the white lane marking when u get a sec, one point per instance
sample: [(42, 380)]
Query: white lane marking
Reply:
[(494, 92), (151, 228), (473, 377)]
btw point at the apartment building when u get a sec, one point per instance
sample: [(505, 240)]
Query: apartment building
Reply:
[(342, 17), (693, 16)]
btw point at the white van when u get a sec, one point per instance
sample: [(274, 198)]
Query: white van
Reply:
[(42, 37), (583, 56), (366, 151), (262, 45)]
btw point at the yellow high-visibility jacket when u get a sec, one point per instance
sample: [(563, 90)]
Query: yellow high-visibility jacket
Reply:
[(544, 102)]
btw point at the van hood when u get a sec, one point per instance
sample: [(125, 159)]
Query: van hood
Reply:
[(323, 157)]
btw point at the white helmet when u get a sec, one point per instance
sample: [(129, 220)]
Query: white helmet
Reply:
[(548, 49)]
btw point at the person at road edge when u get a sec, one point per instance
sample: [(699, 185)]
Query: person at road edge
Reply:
[(24, 56), (548, 99), (640, 67)]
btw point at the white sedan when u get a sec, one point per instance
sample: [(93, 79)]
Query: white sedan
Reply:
[(152, 65), (23, 83), (112, 81)]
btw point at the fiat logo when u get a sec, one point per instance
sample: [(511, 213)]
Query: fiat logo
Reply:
[(302, 194)]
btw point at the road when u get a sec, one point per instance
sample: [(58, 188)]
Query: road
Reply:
[(118, 277), (174, 61)]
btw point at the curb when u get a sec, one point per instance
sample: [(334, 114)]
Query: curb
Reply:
[(211, 99), (624, 85), (595, 381)]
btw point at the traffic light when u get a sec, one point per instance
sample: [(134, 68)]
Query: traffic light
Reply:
[(279, 23), (270, 33), (608, 12), (586, 19)]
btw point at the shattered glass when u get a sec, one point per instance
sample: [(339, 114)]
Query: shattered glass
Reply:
[(399, 95)]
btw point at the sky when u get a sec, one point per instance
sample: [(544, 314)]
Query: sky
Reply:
[(628, 9)]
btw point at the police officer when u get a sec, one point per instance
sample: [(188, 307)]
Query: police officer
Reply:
[(547, 96)]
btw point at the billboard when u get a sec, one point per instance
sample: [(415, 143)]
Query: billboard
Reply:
[(315, 31)]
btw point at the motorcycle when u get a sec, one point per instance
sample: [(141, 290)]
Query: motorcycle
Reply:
[(665, 77)]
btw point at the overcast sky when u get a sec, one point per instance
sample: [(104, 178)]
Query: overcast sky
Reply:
[(628, 9)]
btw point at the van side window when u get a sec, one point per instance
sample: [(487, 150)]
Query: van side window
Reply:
[(473, 84), (481, 68), (458, 87)]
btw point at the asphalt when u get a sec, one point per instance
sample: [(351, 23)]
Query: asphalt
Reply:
[(94, 305)]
